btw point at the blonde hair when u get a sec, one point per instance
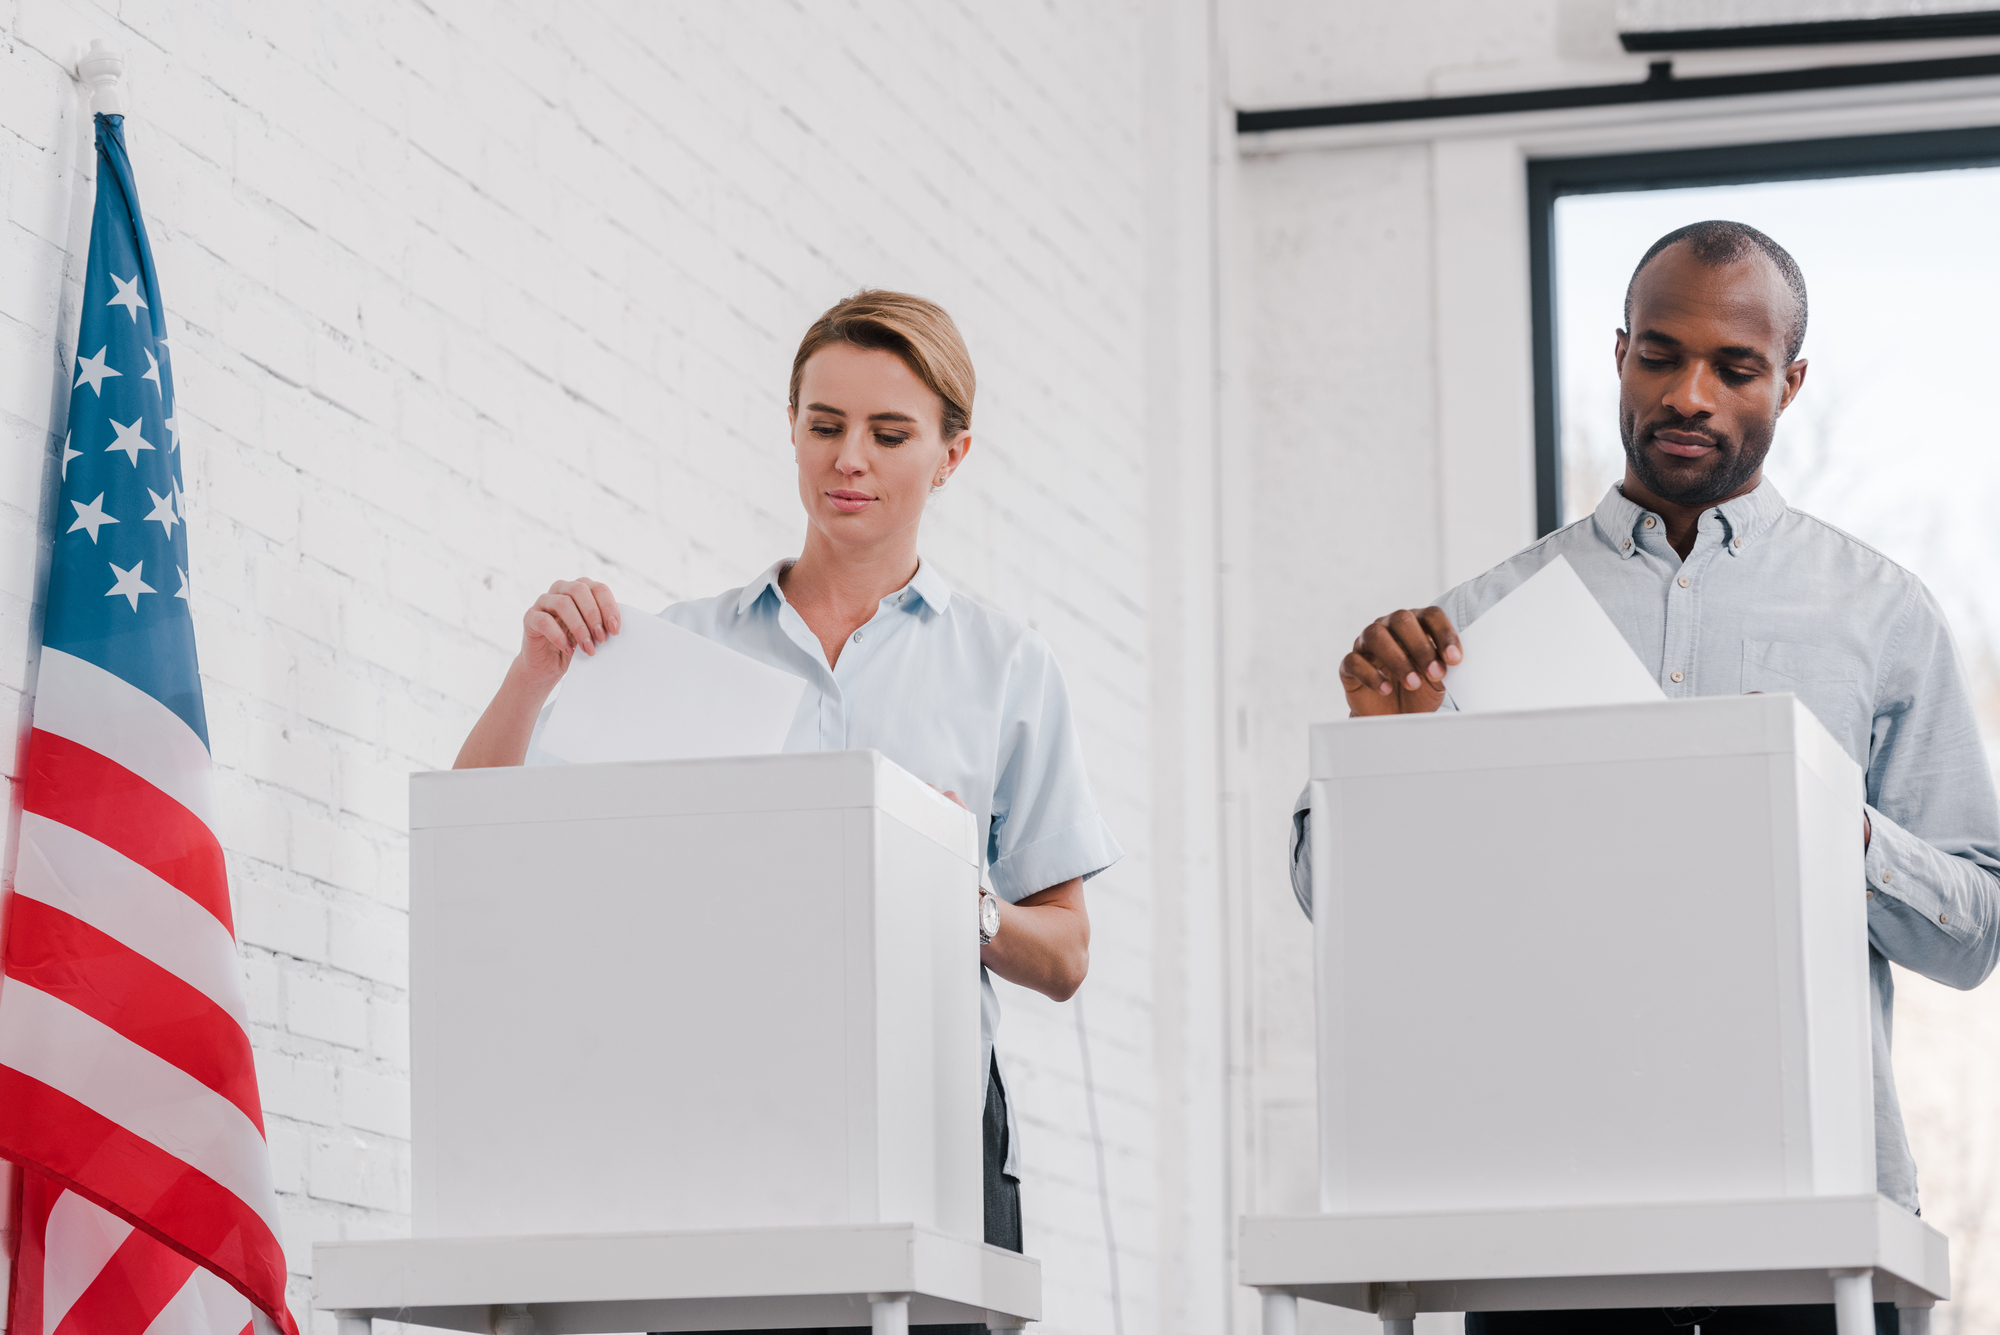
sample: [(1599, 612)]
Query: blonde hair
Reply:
[(916, 330)]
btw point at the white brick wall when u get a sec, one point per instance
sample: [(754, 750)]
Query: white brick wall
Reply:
[(466, 297)]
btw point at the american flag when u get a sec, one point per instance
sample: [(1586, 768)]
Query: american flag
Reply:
[(127, 1092)]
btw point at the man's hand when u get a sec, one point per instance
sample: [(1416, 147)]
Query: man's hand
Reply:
[(1399, 662)]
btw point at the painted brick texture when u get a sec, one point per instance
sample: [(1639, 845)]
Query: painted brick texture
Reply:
[(465, 298)]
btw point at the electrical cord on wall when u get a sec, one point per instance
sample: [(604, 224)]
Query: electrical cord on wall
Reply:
[(1103, 1175)]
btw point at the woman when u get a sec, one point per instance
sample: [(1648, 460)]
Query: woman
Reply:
[(963, 697)]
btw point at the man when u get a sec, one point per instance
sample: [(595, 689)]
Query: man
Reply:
[(1721, 588)]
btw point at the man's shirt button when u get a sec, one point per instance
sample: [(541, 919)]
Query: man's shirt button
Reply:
[(1888, 876), (1944, 917), (1677, 676), (1871, 894), (1649, 521), (1684, 581)]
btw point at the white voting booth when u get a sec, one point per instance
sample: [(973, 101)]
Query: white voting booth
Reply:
[(1593, 1021), (694, 1046)]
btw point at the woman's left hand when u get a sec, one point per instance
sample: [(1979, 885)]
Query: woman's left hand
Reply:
[(1044, 941)]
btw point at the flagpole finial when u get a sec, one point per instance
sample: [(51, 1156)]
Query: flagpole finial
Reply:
[(103, 70)]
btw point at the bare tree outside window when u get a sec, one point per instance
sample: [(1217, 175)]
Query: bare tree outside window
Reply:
[(1890, 440)]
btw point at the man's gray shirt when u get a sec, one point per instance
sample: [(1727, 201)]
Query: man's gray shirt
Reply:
[(1771, 599)]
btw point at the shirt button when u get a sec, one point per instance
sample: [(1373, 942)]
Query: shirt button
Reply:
[(1944, 917), (1888, 876), (857, 637), (1684, 581), (1737, 542), (1677, 676), (1649, 521), (1871, 894), (1628, 544)]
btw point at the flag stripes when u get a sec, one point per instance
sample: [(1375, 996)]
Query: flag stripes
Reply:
[(85, 1271), (151, 1098), (75, 786), (77, 699), (71, 1141), (80, 966), (139, 1280), (132, 906), (79, 1240)]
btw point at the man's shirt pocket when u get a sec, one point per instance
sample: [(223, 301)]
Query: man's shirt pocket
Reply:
[(1828, 682)]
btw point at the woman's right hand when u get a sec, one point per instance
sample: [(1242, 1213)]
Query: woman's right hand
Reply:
[(573, 614)]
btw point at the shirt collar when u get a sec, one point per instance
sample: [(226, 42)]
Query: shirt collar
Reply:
[(764, 583), (927, 584), (1742, 520)]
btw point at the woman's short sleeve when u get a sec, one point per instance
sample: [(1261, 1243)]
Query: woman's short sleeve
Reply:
[(1045, 828)]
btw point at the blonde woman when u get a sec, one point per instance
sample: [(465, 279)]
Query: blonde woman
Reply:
[(963, 697)]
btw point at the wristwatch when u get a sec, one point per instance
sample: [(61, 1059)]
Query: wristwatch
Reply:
[(989, 916)]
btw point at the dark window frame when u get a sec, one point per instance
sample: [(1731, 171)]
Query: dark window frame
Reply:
[(1742, 164)]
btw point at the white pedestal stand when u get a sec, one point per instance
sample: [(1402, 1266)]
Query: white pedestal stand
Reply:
[(887, 1277), (1849, 1251)]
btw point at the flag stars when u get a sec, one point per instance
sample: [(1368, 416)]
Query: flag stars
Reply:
[(93, 372), (128, 296), (129, 440), (129, 585), (163, 511), (153, 371), (183, 593), (92, 516), (68, 454), (173, 433)]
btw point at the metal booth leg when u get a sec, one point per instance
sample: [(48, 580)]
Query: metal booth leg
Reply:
[(1281, 1312), (1398, 1309), (1854, 1302), (891, 1313)]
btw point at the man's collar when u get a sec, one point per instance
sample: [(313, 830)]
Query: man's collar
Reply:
[(1621, 522), (927, 584), (1750, 517)]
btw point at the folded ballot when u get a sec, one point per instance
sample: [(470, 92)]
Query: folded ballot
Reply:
[(655, 691), (1547, 645)]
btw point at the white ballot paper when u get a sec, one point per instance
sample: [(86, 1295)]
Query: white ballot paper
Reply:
[(657, 692), (1547, 645)]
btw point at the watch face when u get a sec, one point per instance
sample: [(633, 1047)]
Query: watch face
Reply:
[(989, 915)]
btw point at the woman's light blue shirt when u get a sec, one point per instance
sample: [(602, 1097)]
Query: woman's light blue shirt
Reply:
[(968, 700)]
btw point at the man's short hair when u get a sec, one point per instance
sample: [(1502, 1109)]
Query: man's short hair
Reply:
[(1716, 243)]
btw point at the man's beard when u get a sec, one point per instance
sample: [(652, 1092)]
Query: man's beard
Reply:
[(1733, 464)]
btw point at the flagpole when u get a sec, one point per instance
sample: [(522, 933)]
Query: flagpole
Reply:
[(102, 70)]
